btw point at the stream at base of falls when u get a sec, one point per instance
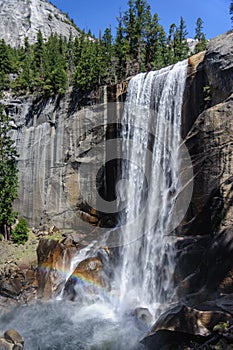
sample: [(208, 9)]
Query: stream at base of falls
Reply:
[(65, 325)]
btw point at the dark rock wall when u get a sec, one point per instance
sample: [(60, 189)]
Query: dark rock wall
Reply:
[(205, 261)]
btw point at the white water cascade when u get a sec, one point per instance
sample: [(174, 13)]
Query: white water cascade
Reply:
[(151, 146), (151, 208)]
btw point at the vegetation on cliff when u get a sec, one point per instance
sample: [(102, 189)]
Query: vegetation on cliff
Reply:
[(49, 66), (8, 175)]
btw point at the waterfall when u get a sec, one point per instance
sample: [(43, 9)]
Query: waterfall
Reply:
[(153, 195), (150, 186), (149, 191)]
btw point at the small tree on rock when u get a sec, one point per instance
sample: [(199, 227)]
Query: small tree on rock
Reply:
[(20, 232), (8, 175), (200, 36)]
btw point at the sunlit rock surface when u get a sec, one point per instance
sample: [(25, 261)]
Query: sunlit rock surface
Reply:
[(24, 18)]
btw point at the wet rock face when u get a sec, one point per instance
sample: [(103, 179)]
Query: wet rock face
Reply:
[(54, 259), (204, 265), (218, 65), (60, 167), (90, 275), (25, 18), (182, 326)]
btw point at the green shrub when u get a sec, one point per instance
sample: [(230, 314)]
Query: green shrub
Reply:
[(20, 232)]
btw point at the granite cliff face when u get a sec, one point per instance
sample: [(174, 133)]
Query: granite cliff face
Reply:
[(205, 266), (24, 18), (57, 141)]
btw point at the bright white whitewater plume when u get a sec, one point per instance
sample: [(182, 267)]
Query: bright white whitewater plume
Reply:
[(151, 141)]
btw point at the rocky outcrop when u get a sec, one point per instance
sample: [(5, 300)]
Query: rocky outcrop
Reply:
[(11, 340), (17, 285), (89, 275), (54, 262), (24, 18), (204, 267), (182, 326)]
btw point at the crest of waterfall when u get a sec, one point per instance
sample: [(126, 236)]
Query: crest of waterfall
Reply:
[(151, 150), (148, 193)]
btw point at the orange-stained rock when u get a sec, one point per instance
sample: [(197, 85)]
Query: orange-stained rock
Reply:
[(194, 61), (54, 259), (88, 275), (90, 269)]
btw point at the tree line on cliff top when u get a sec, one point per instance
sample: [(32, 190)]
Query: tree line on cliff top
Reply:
[(85, 62)]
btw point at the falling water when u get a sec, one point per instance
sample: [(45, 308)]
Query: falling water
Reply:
[(149, 193), (151, 141)]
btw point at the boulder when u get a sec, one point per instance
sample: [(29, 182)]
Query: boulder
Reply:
[(54, 260), (11, 340), (17, 283), (5, 345), (90, 274), (143, 315), (181, 325), (11, 288), (14, 337)]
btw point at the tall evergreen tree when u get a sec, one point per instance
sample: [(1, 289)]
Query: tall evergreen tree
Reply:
[(89, 63), (171, 44), (142, 9), (8, 175), (55, 65), (199, 36), (121, 49), (134, 26), (181, 45), (107, 41), (155, 42), (5, 65), (26, 78), (231, 12), (70, 52), (39, 59)]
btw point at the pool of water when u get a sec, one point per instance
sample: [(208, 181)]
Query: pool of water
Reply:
[(65, 325)]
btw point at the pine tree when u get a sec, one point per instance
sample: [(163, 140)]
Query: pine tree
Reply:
[(55, 65), (231, 12), (155, 43), (129, 29), (8, 175), (181, 45), (107, 41), (26, 78), (5, 65), (142, 9), (39, 60), (171, 44), (70, 52), (199, 36), (121, 49), (135, 22), (89, 63)]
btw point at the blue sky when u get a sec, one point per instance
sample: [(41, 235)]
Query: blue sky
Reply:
[(99, 14)]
